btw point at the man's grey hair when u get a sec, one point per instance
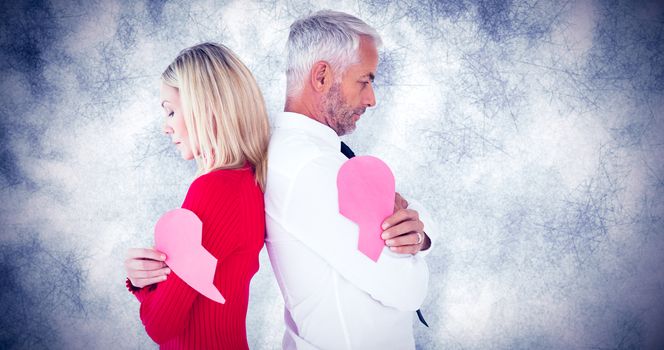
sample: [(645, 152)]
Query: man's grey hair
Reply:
[(325, 35)]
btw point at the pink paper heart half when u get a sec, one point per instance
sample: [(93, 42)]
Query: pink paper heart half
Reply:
[(178, 234), (366, 196)]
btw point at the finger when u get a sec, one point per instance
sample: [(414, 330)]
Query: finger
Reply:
[(402, 228), (143, 264), (136, 274), (399, 202), (407, 249), (404, 240), (145, 253), (402, 201), (142, 282), (399, 216)]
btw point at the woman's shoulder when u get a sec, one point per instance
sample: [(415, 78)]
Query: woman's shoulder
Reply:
[(222, 181), (228, 188)]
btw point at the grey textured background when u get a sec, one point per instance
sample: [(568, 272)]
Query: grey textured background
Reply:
[(532, 130)]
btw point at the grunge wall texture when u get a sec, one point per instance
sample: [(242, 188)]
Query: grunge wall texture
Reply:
[(532, 130)]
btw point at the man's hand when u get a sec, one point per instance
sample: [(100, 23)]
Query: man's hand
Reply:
[(399, 202), (145, 266), (404, 232)]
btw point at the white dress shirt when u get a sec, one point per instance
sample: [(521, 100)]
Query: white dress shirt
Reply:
[(335, 296)]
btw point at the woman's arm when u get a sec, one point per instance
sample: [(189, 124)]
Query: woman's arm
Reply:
[(165, 310), (145, 267)]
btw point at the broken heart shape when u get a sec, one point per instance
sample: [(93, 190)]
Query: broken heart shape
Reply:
[(178, 234), (366, 196)]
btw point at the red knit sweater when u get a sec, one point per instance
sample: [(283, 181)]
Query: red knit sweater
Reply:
[(230, 205)]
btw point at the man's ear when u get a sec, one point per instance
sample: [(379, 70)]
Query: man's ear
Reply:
[(321, 76)]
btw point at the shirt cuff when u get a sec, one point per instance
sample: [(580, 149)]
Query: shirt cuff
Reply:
[(132, 288)]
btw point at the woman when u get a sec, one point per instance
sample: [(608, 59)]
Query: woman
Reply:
[(215, 114)]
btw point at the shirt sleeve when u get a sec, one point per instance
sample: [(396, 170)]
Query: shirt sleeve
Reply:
[(165, 310), (311, 214)]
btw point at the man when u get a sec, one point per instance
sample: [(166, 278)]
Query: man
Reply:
[(335, 297)]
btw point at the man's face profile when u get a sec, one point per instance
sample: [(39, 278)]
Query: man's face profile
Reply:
[(347, 100)]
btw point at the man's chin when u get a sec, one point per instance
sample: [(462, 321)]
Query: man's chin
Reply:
[(346, 130)]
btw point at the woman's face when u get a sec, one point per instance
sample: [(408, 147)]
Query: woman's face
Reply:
[(174, 120)]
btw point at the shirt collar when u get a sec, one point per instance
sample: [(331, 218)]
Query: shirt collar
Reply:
[(296, 121)]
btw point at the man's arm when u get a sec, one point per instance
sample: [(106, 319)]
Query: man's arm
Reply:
[(312, 216), (401, 234)]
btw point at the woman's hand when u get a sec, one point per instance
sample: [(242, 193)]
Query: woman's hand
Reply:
[(145, 266)]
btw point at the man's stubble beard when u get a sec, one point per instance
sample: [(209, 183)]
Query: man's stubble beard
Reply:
[(338, 114)]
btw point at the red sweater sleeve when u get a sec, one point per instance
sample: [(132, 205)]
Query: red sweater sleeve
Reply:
[(165, 309)]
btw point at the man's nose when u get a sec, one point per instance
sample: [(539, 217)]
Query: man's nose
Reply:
[(370, 97)]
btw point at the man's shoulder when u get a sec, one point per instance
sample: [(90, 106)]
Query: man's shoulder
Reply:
[(294, 149)]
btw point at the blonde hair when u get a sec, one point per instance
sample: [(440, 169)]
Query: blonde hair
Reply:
[(223, 109)]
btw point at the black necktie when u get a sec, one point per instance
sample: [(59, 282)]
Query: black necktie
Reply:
[(346, 150), (350, 154)]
